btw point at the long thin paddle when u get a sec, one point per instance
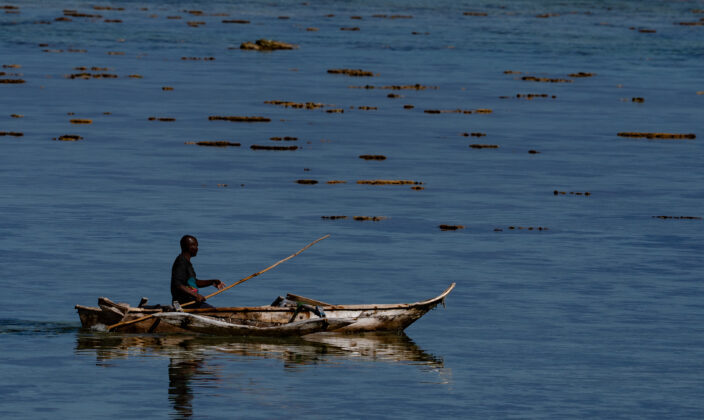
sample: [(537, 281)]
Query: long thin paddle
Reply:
[(120, 324)]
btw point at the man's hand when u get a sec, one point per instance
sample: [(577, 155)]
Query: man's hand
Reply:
[(220, 285), (200, 298)]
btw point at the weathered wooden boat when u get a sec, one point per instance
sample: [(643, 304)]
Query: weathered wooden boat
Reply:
[(365, 317), (214, 326)]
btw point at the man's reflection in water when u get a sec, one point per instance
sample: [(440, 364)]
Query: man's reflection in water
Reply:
[(181, 371)]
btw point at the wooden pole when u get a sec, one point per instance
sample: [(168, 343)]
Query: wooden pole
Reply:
[(133, 321)]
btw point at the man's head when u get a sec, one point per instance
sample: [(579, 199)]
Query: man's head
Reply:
[(189, 245)]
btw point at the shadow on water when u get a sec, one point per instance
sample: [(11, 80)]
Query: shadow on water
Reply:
[(189, 355), (25, 327)]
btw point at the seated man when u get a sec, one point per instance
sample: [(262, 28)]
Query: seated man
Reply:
[(184, 283)]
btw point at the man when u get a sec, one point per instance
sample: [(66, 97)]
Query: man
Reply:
[(184, 283)]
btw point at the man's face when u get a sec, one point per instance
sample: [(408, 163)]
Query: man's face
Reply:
[(193, 247)]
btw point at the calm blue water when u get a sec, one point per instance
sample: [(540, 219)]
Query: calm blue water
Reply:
[(599, 316)]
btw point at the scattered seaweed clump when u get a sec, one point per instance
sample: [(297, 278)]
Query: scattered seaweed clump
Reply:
[(167, 88), (236, 21), (353, 28), (417, 188), (372, 157), (267, 45), (113, 21), (287, 138), (12, 81), (458, 111), (368, 108), (11, 66), (677, 217), (388, 182), (335, 111), (408, 106), (659, 136), (298, 105), (16, 115), (195, 24), (306, 181), (475, 14), (260, 147), (512, 72), (217, 143), (68, 137), (451, 227), (638, 100), (531, 96), (198, 58), (81, 121), (393, 95), (333, 217), (586, 194), (11, 133), (336, 181), (484, 146), (475, 134), (533, 152), (581, 74), (235, 118), (163, 119), (352, 72), (545, 79), (87, 75), (539, 228), (312, 29), (369, 218)]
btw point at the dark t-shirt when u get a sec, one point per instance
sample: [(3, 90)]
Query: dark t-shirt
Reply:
[(181, 272)]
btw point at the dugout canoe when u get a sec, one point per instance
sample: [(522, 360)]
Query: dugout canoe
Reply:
[(365, 317)]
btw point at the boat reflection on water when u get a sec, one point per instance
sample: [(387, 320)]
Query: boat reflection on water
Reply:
[(189, 354)]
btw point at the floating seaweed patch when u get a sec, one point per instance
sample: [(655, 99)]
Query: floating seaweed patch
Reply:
[(547, 15), (475, 14), (12, 81), (659, 136), (87, 75), (167, 88), (63, 19), (287, 138), (284, 17), (135, 76), (369, 218), (333, 217), (512, 72), (267, 45), (312, 29), (695, 23), (451, 227), (388, 182), (638, 100), (394, 95), (383, 16), (195, 24), (81, 121), (194, 12), (700, 92), (76, 50), (408, 106), (11, 133), (173, 17), (164, 119), (235, 118), (420, 33), (417, 188), (586, 194), (545, 79), (356, 17), (75, 13), (260, 147), (581, 74), (68, 137), (306, 181), (119, 9), (236, 21), (16, 116), (352, 72), (533, 152), (677, 217), (116, 53), (484, 146), (372, 157), (112, 20), (475, 134), (336, 181), (352, 29), (335, 111), (531, 96), (198, 58), (218, 143), (539, 228), (299, 105), (11, 66), (647, 31), (367, 108)]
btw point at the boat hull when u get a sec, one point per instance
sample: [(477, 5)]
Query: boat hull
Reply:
[(362, 318)]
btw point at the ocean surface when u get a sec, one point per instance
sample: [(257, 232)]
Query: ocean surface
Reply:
[(577, 252)]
